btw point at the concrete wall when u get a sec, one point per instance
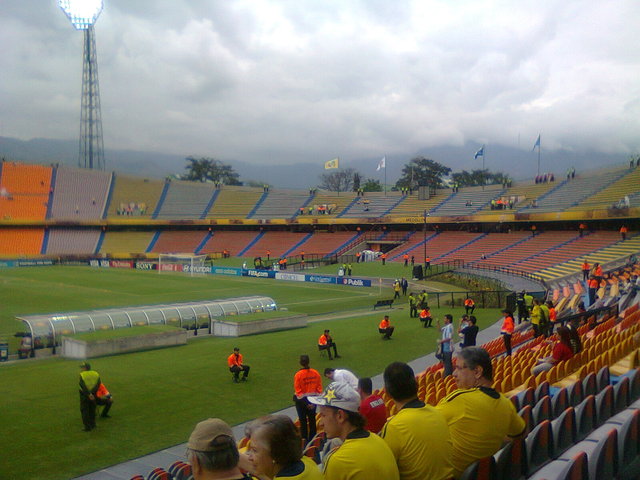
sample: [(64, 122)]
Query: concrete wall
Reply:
[(73, 348), (231, 329)]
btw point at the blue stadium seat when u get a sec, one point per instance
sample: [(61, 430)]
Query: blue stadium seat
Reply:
[(576, 393), (589, 385), (539, 444), (542, 410), (601, 448), (541, 391), (627, 423), (577, 468), (527, 416), (560, 402), (603, 378), (621, 394), (526, 397), (511, 461), (564, 430), (634, 385), (586, 418), (604, 404), (483, 469)]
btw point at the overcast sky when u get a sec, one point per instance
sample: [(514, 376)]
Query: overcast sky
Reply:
[(282, 81)]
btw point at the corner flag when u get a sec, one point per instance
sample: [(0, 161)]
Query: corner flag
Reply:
[(537, 144), (382, 163), (479, 153), (331, 164)]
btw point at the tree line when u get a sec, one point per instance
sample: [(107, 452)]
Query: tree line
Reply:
[(419, 171)]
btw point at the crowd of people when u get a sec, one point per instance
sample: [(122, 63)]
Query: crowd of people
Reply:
[(361, 442)]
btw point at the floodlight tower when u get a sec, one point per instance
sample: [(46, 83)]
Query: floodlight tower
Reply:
[(83, 14)]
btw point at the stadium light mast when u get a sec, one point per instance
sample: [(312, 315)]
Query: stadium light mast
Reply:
[(83, 14)]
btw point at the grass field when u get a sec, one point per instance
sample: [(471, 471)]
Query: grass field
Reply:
[(160, 394)]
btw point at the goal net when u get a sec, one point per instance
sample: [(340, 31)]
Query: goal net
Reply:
[(182, 262)]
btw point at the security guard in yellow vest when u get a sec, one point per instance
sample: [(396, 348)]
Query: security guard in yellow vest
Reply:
[(89, 384)]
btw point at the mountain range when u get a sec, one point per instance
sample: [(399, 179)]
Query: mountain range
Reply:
[(517, 163)]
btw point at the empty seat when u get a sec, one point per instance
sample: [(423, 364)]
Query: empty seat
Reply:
[(511, 461), (603, 378), (601, 448), (539, 446), (634, 385), (627, 423), (589, 386), (542, 410), (541, 391), (621, 394), (483, 469), (576, 393), (564, 430), (527, 416), (560, 402), (586, 417), (526, 397), (576, 468), (604, 404)]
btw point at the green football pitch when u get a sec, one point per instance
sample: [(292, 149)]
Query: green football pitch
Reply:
[(161, 394)]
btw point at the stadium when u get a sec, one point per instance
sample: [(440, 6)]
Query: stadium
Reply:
[(69, 251), (491, 318)]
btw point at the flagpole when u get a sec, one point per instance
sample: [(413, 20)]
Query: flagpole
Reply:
[(385, 175), (483, 179), (539, 145)]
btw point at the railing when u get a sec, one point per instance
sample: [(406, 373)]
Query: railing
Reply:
[(506, 270)]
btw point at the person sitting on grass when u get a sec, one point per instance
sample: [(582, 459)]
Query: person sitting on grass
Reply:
[(386, 328), (236, 365)]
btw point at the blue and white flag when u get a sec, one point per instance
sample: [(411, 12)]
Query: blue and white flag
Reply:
[(479, 153), (382, 163), (537, 144)]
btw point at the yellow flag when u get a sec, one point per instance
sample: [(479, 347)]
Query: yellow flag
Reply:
[(331, 164)]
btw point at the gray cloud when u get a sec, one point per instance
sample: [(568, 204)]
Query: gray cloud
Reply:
[(285, 81)]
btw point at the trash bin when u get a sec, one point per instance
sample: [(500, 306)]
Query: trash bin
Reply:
[(4, 351)]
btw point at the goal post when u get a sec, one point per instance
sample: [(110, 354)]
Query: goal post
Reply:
[(182, 262)]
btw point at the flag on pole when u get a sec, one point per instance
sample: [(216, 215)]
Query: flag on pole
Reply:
[(331, 164), (479, 153), (537, 144), (382, 163)]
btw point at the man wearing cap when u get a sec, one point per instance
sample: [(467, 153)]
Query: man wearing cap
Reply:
[(341, 375), (362, 455), (213, 453), (236, 365), (418, 434), (89, 384), (325, 342)]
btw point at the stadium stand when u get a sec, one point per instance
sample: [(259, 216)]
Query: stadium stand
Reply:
[(16, 242), (278, 243), (484, 245), (171, 241), (231, 241), (79, 194), (324, 243), (372, 204), (123, 244), (335, 202), (185, 200), (412, 206), (522, 193), (234, 202), (576, 190), (134, 196), (468, 201), (437, 245), (24, 191), (70, 241), (281, 204), (605, 198)]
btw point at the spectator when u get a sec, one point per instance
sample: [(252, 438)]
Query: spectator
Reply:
[(418, 434), (445, 341), (363, 455), (342, 376), (561, 351), (212, 452), (536, 316), (325, 342), (507, 329), (276, 451), (372, 406), (469, 333), (479, 417), (306, 382)]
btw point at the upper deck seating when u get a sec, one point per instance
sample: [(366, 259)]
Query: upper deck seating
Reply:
[(24, 191), (234, 202), (63, 241), (575, 190), (186, 200), (134, 196), (281, 204), (412, 206), (522, 194), (468, 201), (336, 201), (628, 185), (80, 194), (372, 204)]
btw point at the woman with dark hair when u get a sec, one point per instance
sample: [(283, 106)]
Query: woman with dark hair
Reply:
[(276, 451), (561, 351)]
